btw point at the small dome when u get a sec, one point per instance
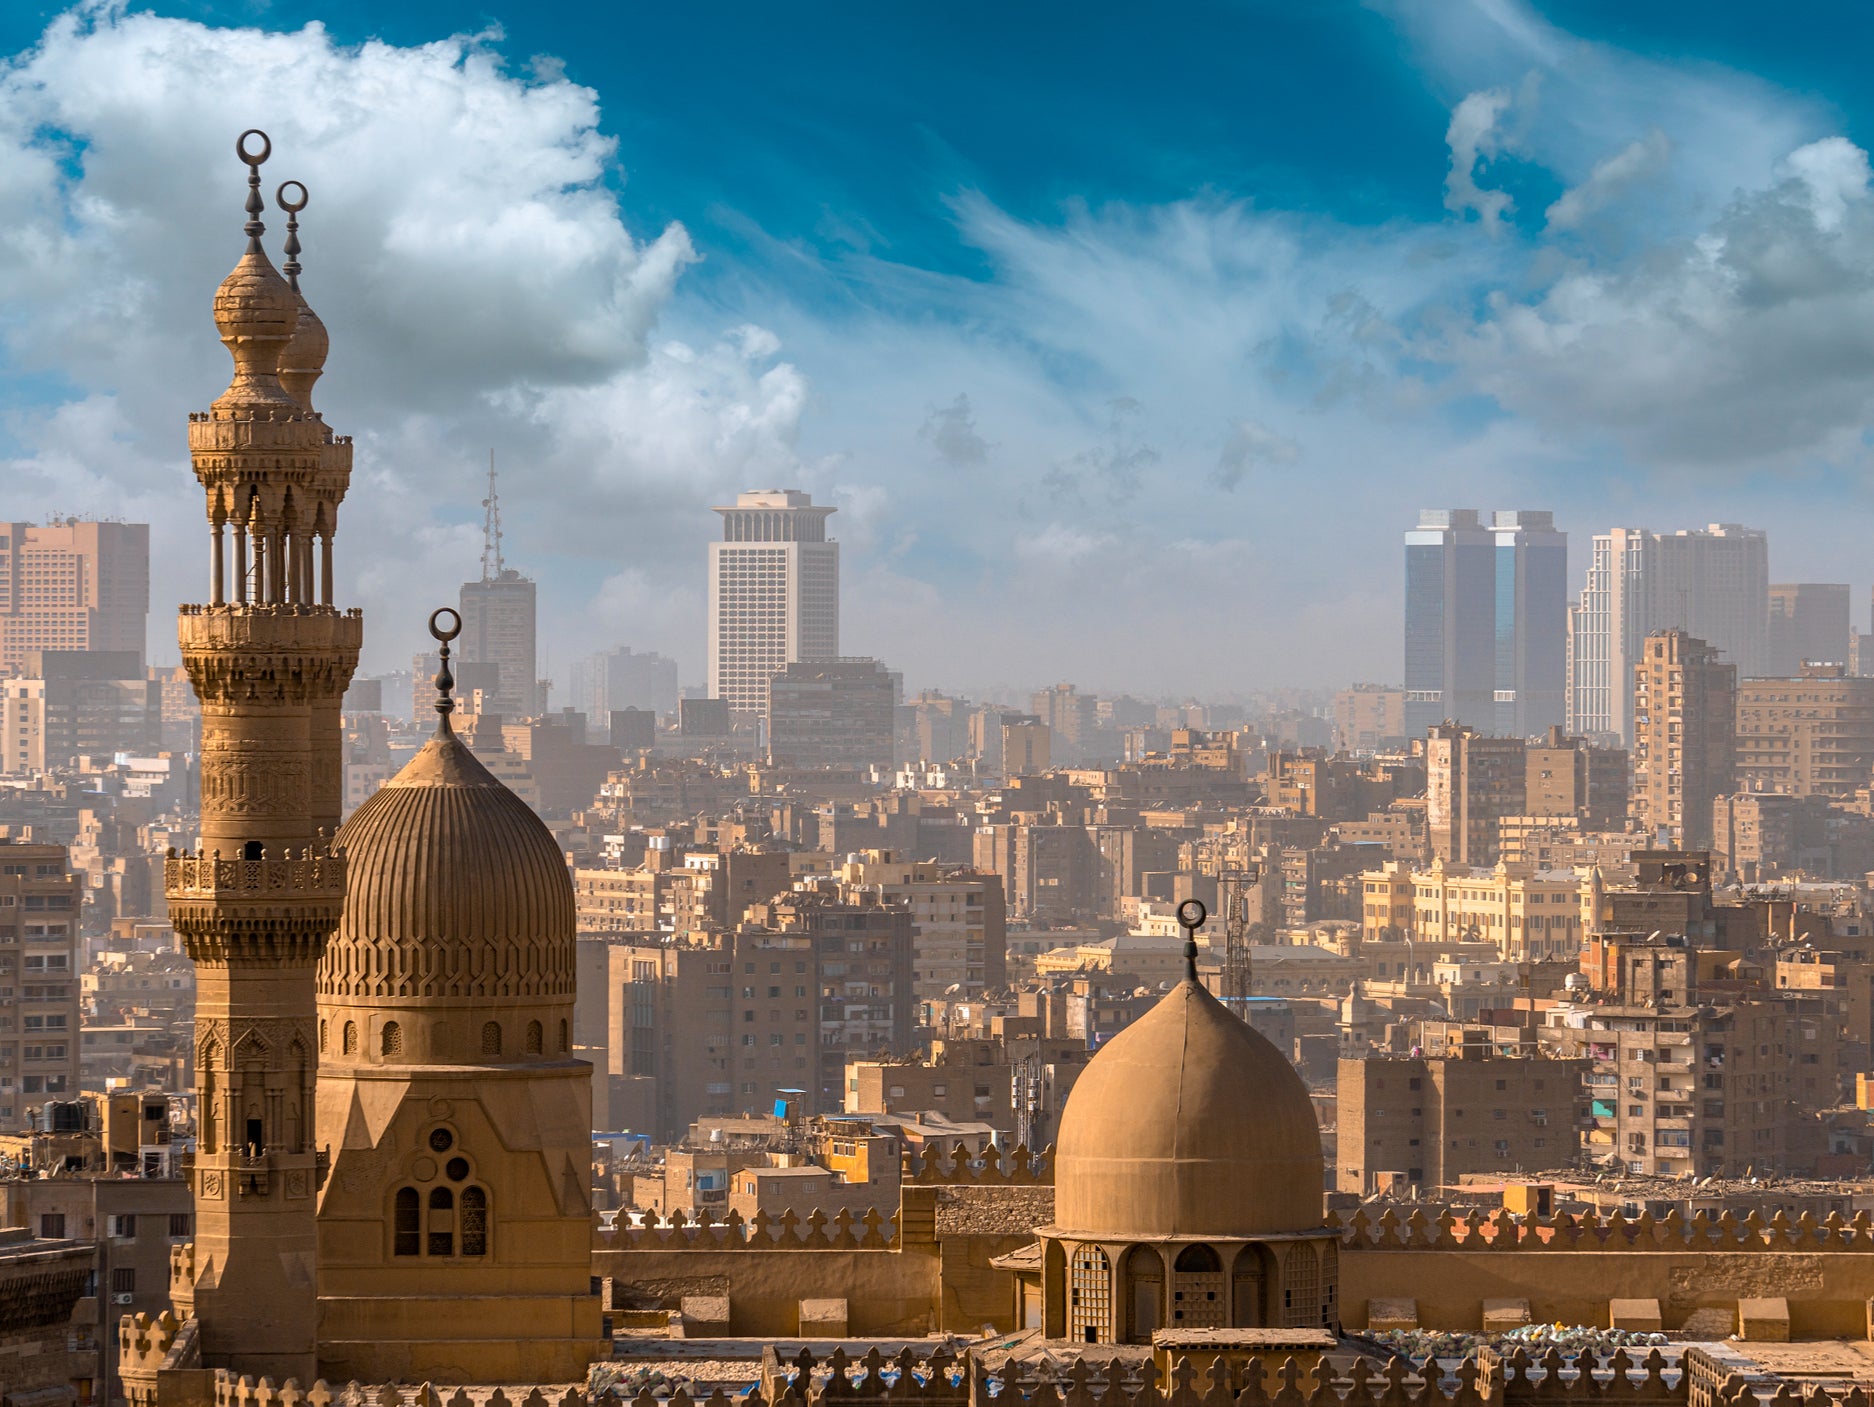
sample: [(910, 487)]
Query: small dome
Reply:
[(257, 312), (455, 889), (1188, 1123), (303, 361)]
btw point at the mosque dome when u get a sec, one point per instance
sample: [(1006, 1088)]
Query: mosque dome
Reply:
[(455, 890), (1188, 1123)]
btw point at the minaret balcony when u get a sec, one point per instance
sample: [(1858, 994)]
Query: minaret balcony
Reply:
[(314, 875)]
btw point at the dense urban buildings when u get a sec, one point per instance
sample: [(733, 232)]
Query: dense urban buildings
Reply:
[(1712, 583), (614, 680), (73, 585), (831, 713), (773, 594)]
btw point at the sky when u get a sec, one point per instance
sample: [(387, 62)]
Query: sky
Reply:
[(1126, 341)]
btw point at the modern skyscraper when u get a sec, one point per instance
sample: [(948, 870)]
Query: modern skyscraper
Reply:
[(1713, 583), (1808, 625), (70, 585), (773, 594), (498, 615), (1485, 621), (1684, 736)]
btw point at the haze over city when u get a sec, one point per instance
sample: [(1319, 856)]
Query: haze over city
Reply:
[(1121, 362)]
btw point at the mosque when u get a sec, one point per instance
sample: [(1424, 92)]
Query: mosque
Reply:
[(392, 1170)]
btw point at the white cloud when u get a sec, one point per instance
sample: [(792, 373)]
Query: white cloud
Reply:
[(1639, 160), (1473, 138)]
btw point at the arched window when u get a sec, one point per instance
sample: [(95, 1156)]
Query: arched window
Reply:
[(442, 1222), (564, 1045), (491, 1038), (1090, 1297), (253, 850), (406, 1225), (534, 1037), (391, 1040), (1301, 1288), (322, 1025), (1197, 1289), (474, 1222), (351, 1038)]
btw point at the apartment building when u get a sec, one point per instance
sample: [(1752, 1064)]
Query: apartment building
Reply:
[(40, 899), (1810, 735), (1531, 915)]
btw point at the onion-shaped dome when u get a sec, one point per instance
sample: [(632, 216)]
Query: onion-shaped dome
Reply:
[(303, 360), (256, 313), (456, 893), (1188, 1123)]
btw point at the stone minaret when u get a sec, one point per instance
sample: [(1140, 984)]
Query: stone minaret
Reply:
[(270, 658)]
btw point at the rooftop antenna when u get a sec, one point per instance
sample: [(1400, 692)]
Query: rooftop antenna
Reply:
[(492, 565)]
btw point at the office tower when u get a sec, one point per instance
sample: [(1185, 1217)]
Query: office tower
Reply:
[(1808, 625), (1712, 583), (498, 620), (1450, 621), (1684, 736), (1531, 619), (70, 585), (830, 713), (773, 594), (255, 905), (617, 679), (39, 970)]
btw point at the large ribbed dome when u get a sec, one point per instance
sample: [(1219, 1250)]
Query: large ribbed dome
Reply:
[(1188, 1123), (455, 888)]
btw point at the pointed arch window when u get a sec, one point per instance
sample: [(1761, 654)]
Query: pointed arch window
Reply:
[(407, 1223), (391, 1041), (564, 1046), (491, 1038), (474, 1221), (442, 1222), (351, 1038), (535, 1038)]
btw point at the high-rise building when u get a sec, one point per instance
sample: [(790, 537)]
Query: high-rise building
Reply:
[(773, 594), (1713, 583), (72, 585), (1808, 625), (1684, 736), (1485, 621), (77, 703), (831, 713), (622, 678), (498, 614), (1471, 782), (1531, 622), (39, 903)]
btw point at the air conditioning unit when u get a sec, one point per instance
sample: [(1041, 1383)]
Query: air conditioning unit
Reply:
[(123, 1297)]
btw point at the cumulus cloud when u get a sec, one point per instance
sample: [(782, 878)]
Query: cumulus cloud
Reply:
[(1474, 138)]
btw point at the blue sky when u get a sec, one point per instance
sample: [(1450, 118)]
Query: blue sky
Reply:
[(1126, 342)]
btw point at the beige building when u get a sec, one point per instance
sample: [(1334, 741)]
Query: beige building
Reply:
[(1684, 737), (1368, 718), (72, 585), (1470, 782), (1530, 915), (773, 594), (1812, 735), (959, 924)]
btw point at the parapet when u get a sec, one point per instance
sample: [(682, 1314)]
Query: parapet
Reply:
[(760, 1232), (1501, 1230), (1017, 1168)]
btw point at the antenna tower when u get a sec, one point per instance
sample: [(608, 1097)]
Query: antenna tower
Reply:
[(492, 565), (1233, 887)]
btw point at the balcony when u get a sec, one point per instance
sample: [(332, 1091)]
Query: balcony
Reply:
[(316, 874)]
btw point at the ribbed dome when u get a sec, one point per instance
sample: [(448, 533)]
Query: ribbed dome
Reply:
[(257, 312), (455, 889), (1188, 1123)]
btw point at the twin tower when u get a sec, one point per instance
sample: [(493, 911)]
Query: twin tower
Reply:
[(391, 1171)]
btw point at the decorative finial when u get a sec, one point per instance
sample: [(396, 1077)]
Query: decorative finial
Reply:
[(292, 208), (253, 229), (1191, 916), (445, 681)]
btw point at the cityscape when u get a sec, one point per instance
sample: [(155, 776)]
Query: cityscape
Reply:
[(779, 1002)]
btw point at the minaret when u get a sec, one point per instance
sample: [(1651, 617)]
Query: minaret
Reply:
[(270, 658)]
